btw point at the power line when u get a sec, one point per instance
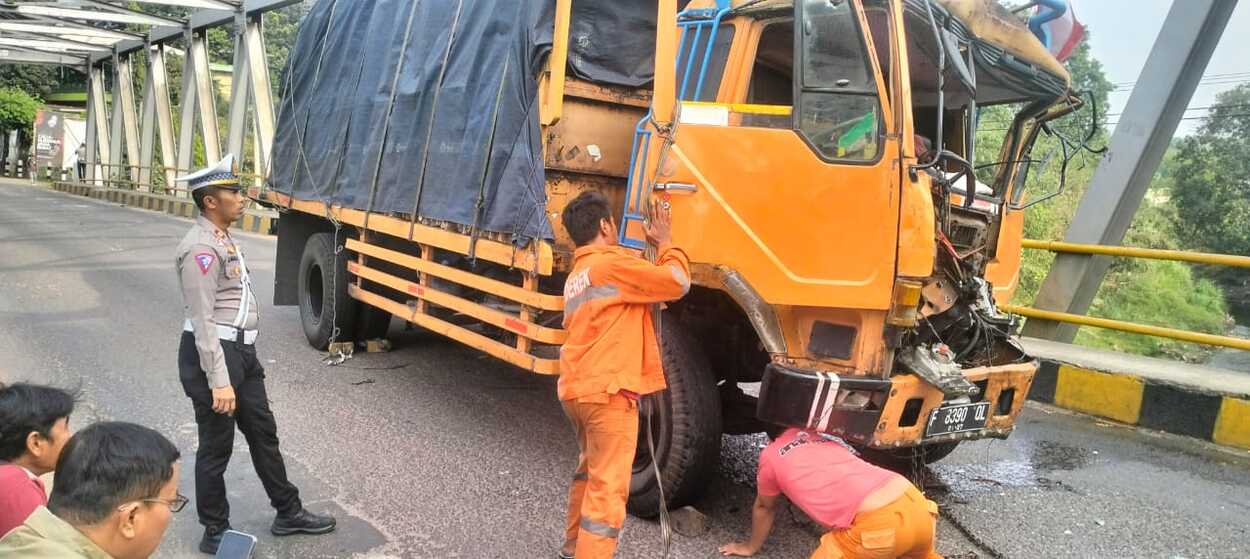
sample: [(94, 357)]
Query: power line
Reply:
[(1112, 124), (1238, 81), (1204, 78), (1206, 108), (1108, 115)]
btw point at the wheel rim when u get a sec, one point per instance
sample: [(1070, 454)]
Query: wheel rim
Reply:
[(316, 292)]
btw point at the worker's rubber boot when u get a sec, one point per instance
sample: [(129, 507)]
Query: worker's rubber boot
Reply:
[(302, 522)]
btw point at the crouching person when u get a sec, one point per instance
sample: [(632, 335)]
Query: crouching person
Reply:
[(115, 491), (870, 512)]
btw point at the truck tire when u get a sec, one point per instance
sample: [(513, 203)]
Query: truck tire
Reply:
[(323, 301), (686, 425), (908, 458), (371, 322)]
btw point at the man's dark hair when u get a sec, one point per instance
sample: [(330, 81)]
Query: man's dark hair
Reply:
[(28, 407), (582, 216), (199, 194), (106, 466)]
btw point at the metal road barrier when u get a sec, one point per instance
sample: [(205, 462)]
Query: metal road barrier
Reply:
[(118, 177), (1131, 327)]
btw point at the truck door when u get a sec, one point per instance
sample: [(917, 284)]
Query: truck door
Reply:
[(790, 176)]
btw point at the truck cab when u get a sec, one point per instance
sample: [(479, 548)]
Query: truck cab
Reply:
[(818, 166)]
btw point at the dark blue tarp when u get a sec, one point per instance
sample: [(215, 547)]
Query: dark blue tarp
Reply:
[(402, 105)]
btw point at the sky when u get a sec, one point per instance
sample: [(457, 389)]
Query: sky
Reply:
[(1122, 33)]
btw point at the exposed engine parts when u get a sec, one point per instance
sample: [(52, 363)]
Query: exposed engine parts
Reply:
[(935, 363), (960, 326), (977, 333)]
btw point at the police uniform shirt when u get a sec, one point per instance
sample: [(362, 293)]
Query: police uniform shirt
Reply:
[(216, 291)]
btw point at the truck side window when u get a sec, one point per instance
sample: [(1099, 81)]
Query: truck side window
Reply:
[(715, 63), (838, 110), (772, 83)]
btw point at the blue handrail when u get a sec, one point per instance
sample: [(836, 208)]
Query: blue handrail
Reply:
[(634, 189), (705, 18)]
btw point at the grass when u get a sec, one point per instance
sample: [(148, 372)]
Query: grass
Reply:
[(1159, 293)]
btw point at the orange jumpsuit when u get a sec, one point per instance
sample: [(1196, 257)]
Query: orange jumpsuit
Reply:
[(611, 356), (904, 528)]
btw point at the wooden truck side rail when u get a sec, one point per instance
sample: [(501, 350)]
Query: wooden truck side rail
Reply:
[(532, 262)]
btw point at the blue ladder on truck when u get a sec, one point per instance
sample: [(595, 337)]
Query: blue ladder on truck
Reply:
[(635, 190)]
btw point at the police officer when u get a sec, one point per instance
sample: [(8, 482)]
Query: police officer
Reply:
[(218, 366)]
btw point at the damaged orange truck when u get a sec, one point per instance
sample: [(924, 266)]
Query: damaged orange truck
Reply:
[(817, 157)]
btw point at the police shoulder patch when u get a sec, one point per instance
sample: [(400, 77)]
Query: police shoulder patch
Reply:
[(205, 261)]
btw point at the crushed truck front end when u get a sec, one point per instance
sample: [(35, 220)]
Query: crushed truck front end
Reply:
[(821, 185)]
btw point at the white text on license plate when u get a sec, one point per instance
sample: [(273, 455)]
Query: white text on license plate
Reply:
[(956, 419)]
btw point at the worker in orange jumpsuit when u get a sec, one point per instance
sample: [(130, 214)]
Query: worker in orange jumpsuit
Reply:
[(610, 359), (871, 513)]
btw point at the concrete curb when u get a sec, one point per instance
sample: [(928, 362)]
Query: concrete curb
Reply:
[(1131, 390), (263, 222)]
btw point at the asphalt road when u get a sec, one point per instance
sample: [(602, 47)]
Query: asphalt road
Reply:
[(433, 450)]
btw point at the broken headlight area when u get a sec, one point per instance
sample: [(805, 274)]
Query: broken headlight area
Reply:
[(961, 328)]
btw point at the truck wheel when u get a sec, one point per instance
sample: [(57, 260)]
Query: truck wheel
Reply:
[(323, 301), (371, 322), (686, 426), (907, 458)]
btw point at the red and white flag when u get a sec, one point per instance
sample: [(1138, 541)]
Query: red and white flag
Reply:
[(1062, 34)]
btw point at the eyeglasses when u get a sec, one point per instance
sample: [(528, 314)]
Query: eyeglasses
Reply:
[(175, 505)]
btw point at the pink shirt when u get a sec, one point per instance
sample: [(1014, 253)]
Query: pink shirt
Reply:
[(20, 494), (821, 476)]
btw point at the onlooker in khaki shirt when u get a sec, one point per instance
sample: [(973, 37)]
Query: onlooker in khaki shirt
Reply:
[(115, 492), (45, 535)]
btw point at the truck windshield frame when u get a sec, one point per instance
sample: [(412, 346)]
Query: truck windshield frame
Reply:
[(837, 105)]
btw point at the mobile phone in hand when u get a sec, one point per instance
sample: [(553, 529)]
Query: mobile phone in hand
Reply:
[(236, 545)]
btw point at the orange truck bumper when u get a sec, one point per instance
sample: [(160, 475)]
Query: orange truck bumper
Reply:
[(893, 412)]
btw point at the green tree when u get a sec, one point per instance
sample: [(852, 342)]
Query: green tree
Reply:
[(1211, 189), (36, 80), (1162, 293), (17, 112), (17, 109), (281, 27)]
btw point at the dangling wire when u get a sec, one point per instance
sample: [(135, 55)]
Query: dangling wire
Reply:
[(666, 529)]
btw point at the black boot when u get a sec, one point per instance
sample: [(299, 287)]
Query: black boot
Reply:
[(212, 539), (302, 522)]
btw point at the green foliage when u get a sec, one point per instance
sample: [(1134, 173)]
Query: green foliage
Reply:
[(40, 81), (281, 27), (1162, 294), (1211, 190), (1151, 292), (17, 110)]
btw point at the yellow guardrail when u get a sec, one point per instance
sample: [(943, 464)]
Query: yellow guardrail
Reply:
[(1131, 327), (1149, 253), (1159, 331)]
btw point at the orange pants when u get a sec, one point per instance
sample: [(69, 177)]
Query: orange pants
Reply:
[(906, 527), (607, 433)]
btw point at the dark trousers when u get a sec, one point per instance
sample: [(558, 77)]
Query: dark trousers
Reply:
[(82, 171), (216, 432)]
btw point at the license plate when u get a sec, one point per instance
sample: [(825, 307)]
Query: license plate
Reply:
[(957, 419)]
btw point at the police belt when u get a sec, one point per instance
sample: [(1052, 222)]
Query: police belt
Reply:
[(228, 333)]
